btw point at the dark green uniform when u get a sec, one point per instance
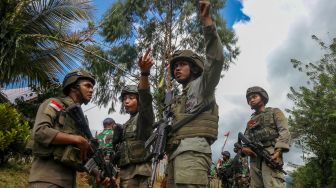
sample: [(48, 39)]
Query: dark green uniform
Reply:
[(241, 173), (135, 166), (50, 120), (189, 149)]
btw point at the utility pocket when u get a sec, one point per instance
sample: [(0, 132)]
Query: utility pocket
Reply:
[(137, 152)]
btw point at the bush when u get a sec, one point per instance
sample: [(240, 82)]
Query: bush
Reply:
[(14, 133)]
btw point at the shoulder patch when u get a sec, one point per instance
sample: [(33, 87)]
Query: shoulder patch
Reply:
[(56, 105)]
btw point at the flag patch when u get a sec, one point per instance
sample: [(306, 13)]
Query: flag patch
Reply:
[(56, 105)]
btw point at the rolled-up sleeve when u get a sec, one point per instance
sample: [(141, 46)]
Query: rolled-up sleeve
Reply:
[(43, 131), (282, 125)]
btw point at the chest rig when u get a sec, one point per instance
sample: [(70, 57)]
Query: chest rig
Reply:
[(66, 154), (262, 128), (204, 124), (132, 148)]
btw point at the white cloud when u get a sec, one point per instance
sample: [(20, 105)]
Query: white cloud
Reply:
[(277, 32)]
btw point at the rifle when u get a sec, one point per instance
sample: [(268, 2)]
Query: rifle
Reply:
[(261, 152), (96, 164), (158, 139)]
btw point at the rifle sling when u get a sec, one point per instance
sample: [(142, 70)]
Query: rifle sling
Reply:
[(188, 119)]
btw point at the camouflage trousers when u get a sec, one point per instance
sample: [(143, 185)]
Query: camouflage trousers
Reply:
[(262, 176), (138, 181), (189, 170)]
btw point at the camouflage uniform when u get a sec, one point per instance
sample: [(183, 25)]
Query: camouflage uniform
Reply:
[(270, 128), (225, 172), (189, 149), (105, 142), (241, 174)]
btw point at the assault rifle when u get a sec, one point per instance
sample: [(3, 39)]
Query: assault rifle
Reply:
[(261, 152), (158, 140), (96, 164)]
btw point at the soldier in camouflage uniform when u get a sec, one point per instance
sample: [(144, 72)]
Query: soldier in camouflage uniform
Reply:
[(241, 170), (58, 148), (225, 171), (188, 148), (134, 163), (105, 138), (269, 127)]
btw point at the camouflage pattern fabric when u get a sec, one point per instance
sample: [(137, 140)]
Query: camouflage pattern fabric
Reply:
[(225, 172), (241, 176), (105, 142)]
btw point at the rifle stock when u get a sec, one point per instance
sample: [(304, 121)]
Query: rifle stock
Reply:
[(262, 152)]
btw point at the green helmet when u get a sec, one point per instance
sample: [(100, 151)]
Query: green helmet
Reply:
[(186, 55), (259, 90), (129, 89), (75, 75)]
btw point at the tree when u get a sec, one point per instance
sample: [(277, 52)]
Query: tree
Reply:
[(132, 26), (313, 117), (14, 132), (36, 43)]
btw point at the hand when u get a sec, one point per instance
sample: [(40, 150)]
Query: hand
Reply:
[(248, 151), (277, 155), (84, 146), (145, 62), (204, 12)]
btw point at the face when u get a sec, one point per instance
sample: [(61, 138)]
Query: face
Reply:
[(130, 103), (86, 88), (255, 100), (182, 71)]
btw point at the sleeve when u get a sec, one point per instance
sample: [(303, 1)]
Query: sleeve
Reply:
[(43, 131), (214, 60), (146, 114), (282, 125)]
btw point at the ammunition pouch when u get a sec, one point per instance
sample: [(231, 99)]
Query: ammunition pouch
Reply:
[(69, 156), (132, 152)]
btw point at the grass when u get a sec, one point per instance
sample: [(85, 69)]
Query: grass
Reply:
[(15, 175)]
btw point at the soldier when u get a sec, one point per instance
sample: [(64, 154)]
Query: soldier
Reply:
[(54, 134), (269, 127), (225, 170), (188, 147), (241, 170), (135, 166), (105, 142), (105, 137)]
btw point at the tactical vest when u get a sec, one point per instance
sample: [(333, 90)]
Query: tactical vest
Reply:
[(203, 125), (263, 128), (132, 149), (66, 154)]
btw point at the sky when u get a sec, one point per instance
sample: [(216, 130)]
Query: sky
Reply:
[(270, 33)]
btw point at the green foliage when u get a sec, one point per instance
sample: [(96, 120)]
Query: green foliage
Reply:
[(14, 132), (36, 43), (132, 26), (313, 117)]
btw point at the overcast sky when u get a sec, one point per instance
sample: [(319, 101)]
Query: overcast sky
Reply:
[(270, 33)]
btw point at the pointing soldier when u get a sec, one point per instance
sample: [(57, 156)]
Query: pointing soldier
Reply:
[(188, 147)]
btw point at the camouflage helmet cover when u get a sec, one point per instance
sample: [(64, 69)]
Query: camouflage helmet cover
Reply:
[(129, 89), (75, 75), (259, 90), (226, 153), (186, 55)]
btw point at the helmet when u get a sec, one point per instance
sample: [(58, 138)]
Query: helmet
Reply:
[(226, 153), (186, 55), (259, 90), (132, 89), (75, 75), (108, 121)]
